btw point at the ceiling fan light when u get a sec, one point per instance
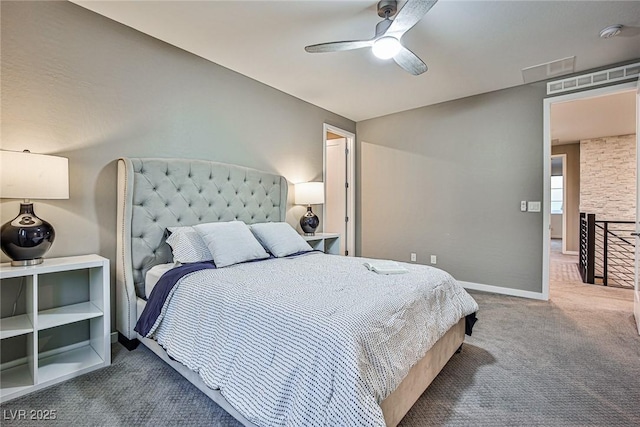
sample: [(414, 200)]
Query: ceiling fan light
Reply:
[(386, 47)]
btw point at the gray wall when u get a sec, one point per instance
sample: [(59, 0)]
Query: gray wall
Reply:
[(448, 179), (81, 86)]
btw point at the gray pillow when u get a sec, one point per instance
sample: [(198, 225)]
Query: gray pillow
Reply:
[(187, 245), (279, 238), (230, 242)]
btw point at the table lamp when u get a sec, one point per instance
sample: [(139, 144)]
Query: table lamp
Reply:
[(309, 193), (24, 175)]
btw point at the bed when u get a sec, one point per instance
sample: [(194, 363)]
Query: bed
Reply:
[(155, 194)]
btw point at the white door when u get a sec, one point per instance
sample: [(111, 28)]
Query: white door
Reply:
[(340, 180), (636, 292), (336, 191)]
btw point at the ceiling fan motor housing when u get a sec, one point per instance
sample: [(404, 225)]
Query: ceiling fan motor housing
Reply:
[(387, 8)]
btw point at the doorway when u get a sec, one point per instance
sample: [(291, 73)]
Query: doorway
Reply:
[(561, 136), (559, 201), (339, 181)]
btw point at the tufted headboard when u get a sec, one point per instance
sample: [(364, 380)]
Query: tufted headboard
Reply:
[(155, 193)]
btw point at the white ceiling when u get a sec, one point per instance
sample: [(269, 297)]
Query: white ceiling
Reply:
[(593, 118), (471, 47)]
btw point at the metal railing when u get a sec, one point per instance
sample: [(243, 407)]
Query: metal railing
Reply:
[(607, 251), (587, 247)]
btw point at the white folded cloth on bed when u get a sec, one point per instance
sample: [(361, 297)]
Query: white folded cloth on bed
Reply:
[(385, 267)]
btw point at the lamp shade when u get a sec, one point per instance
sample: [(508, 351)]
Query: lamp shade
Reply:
[(25, 175), (310, 193)]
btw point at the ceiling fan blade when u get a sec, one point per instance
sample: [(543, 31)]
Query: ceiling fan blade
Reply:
[(410, 62), (338, 46), (409, 15)]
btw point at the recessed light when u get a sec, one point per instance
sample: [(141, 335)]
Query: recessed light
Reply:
[(610, 31)]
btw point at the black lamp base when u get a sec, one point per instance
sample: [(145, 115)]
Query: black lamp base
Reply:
[(26, 238), (309, 222)]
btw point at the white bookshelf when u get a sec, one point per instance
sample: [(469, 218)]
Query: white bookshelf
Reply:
[(37, 369), (328, 243)]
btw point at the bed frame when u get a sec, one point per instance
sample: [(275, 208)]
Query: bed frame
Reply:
[(156, 193)]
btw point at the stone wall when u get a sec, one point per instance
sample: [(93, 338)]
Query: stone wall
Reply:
[(608, 177)]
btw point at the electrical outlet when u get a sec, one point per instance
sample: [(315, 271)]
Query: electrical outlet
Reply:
[(433, 259), (413, 257), (523, 206)]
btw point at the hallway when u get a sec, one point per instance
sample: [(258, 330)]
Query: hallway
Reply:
[(566, 288)]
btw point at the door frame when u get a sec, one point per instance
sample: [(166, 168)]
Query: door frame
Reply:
[(350, 137), (546, 155), (636, 278), (564, 200)]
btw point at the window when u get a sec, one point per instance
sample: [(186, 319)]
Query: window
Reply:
[(556, 194)]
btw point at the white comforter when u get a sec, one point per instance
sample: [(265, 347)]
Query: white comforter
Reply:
[(312, 340)]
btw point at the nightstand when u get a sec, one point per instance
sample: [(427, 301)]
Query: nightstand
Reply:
[(61, 329), (328, 243)]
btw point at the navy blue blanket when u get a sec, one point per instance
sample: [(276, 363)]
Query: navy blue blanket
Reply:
[(162, 290)]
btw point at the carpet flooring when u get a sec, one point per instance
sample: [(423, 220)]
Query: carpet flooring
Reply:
[(535, 363), (566, 287), (528, 363)]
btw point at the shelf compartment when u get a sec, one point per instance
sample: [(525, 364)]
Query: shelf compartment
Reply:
[(15, 381), (15, 326), (68, 364), (67, 314)]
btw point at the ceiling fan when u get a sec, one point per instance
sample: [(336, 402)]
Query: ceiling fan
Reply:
[(386, 43)]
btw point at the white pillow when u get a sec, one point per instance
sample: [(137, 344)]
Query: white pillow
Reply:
[(280, 238), (230, 242), (187, 245)]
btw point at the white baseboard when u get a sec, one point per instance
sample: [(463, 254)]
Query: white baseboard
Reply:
[(503, 291), (114, 337), (571, 253)]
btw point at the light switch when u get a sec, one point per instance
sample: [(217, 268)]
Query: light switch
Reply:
[(534, 206), (523, 206)]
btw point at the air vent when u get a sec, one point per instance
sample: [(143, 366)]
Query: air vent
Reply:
[(598, 78), (548, 70)]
